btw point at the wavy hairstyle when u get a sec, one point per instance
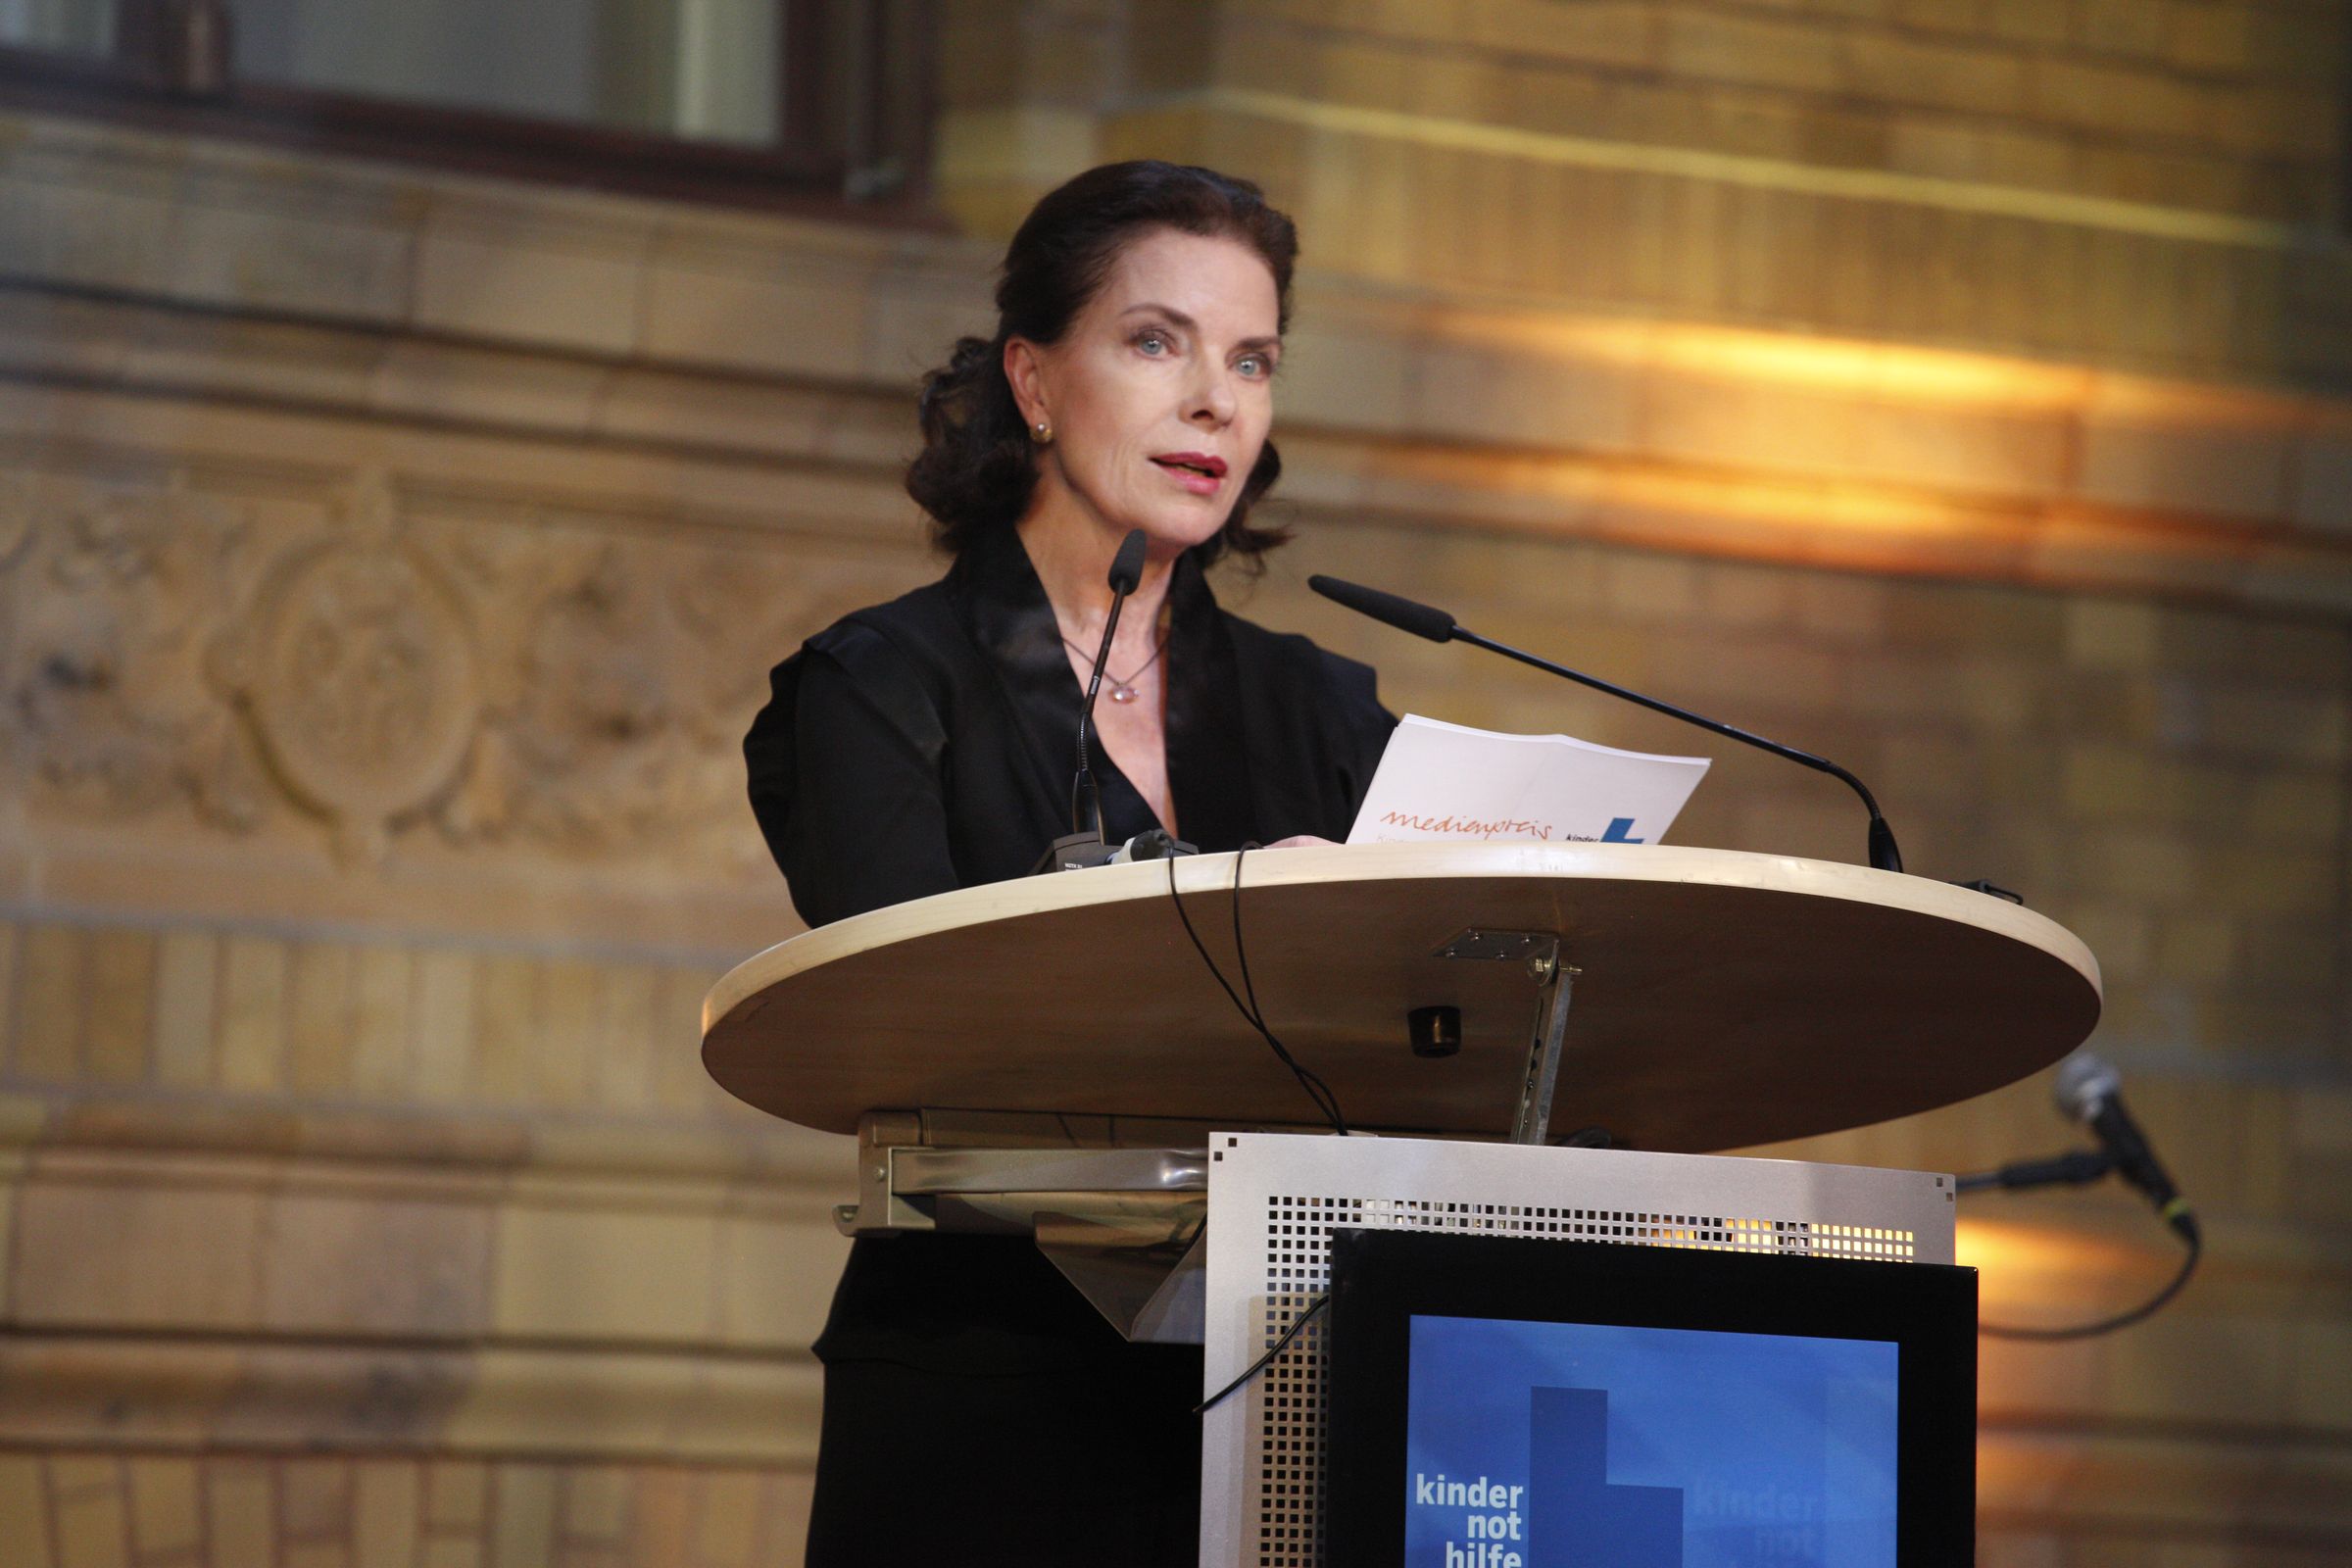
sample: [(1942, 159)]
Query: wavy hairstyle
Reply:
[(978, 468)]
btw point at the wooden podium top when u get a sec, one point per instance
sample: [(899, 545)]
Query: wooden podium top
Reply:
[(1724, 999)]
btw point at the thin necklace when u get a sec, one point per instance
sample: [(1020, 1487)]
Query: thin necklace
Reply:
[(1121, 691)]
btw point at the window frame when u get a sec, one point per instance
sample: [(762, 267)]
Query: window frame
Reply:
[(826, 161)]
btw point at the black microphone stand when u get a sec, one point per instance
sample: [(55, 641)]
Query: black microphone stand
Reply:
[(2088, 1090), (2077, 1169), (1085, 799), (1083, 844), (1427, 620), (1883, 855)]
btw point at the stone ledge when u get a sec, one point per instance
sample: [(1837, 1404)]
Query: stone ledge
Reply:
[(443, 1142), (262, 1249), (233, 226), (178, 1392), (1848, 524), (1679, 436)]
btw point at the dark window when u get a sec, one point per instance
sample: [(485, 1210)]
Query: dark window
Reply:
[(70, 27), (765, 102)]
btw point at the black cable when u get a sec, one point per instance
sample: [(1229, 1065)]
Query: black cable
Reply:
[(1239, 951), (1308, 1078), (2076, 1168), (1265, 1360), (2085, 1331), (1326, 1103)]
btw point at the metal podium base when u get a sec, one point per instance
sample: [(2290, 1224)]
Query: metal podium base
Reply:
[(1222, 1238), (1273, 1203)]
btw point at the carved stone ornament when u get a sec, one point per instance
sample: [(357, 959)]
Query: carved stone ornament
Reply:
[(357, 672), (507, 675), (622, 674), (105, 595)]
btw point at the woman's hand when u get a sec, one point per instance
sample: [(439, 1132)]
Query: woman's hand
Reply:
[(1297, 841)]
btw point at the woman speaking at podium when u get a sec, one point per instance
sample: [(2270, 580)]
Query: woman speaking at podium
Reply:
[(977, 1409)]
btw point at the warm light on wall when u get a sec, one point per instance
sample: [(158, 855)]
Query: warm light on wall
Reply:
[(2018, 1261), (1879, 457), (1791, 517), (1796, 362)]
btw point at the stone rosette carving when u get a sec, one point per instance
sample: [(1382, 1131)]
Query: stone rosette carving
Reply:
[(357, 671)]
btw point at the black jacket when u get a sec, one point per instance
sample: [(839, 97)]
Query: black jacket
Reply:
[(927, 744)]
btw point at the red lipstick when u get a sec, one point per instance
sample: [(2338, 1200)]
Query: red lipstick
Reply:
[(1197, 472)]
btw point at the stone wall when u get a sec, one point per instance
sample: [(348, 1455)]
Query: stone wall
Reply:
[(2124, 180), (389, 563)]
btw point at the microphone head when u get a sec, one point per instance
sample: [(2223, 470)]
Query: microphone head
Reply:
[(2084, 1082), (1422, 621), (1127, 566)]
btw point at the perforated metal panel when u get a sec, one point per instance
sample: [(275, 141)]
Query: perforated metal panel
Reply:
[(1274, 1200)]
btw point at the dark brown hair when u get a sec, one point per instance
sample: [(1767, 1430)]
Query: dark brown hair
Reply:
[(978, 468)]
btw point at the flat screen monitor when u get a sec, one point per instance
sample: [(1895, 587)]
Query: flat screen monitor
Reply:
[(1495, 1403)]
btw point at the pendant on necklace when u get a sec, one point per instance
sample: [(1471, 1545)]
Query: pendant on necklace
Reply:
[(1120, 692)]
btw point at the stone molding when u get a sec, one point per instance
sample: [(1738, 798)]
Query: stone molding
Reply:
[(1711, 440), (200, 1395), (315, 1302), (473, 1152)]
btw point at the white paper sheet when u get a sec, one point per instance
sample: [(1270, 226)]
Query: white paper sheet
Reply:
[(1446, 781)]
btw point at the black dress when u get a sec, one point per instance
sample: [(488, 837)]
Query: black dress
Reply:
[(977, 1409)]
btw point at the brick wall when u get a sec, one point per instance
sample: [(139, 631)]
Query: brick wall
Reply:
[(170, 1511)]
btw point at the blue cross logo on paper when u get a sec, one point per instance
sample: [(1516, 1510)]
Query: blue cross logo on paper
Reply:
[(1580, 1446)]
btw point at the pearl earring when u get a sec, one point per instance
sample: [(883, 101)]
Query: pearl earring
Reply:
[(1045, 433)]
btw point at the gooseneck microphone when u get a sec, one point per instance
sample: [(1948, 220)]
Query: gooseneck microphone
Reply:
[(1083, 845), (1126, 570), (1424, 620), (2089, 1090)]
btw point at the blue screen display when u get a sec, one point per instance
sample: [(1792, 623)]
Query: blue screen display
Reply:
[(1547, 1445)]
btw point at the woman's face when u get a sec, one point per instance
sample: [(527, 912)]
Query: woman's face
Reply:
[(1160, 394)]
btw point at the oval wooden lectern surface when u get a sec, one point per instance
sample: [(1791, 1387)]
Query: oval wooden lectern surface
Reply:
[(1724, 999)]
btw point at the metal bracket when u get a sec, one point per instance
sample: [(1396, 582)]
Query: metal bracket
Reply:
[(1122, 1223), (905, 1180), (1539, 951), (933, 1171), (1497, 945), (878, 1207), (1554, 981)]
